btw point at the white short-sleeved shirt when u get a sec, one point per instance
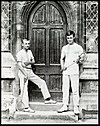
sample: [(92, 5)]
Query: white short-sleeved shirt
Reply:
[(71, 53), (23, 56)]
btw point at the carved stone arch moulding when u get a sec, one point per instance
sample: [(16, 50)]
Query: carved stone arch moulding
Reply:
[(25, 12), (66, 6), (70, 8)]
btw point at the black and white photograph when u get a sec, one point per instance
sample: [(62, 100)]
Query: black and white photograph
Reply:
[(49, 62)]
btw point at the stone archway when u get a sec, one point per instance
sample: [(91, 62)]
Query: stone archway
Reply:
[(46, 25)]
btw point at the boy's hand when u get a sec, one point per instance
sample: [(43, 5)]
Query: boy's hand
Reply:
[(25, 78), (77, 61), (63, 68), (28, 63), (19, 99)]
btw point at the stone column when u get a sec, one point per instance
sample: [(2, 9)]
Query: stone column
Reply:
[(19, 25), (18, 42), (19, 29)]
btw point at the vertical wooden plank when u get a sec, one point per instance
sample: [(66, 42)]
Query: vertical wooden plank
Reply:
[(38, 45), (55, 83), (56, 40)]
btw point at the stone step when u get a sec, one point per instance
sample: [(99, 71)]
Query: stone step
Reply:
[(89, 113), (66, 116), (86, 98), (41, 106), (46, 115), (48, 111), (37, 96), (19, 115), (89, 95)]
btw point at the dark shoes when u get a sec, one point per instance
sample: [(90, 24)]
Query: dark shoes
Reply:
[(50, 101), (64, 108), (28, 110), (76, 110)]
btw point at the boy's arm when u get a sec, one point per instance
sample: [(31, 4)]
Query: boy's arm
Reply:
[(62, 60), (22, 70), (20, 64), (62, 64), (81, 57)]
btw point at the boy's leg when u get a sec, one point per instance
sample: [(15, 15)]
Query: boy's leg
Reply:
[(65, 89), (75, 90), (41, 84), (25, 98)]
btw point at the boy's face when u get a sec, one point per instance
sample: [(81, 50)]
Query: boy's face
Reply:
[(26, 44), (70, 39)]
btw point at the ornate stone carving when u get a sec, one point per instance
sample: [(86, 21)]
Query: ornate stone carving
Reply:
[(5, 26)]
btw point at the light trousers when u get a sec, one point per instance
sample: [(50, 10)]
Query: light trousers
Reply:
[(74, 78), (35, 79)]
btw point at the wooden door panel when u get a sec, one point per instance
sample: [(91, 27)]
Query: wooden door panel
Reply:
[(56, 43), (40, 15), (54, 69), (54, 15), (55, 83), (38, 43)]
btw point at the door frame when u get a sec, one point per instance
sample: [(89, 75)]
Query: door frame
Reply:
[(26, 12)]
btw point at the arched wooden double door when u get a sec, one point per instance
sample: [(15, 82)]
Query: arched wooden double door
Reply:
[(47, 26)]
